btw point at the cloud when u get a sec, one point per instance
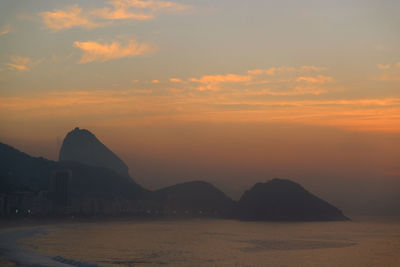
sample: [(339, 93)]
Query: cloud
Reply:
[(283, 81), (373, 114), (19, 63), (270, 71), (175, 80), (136, 9), (93, 51), (274, 70), (312, 68), (318, 79), (155, 81), (150, 5), (120, 12), (74, 16), (298, 90), (388, 73), (232, 78), (64, 19), (383, 67), (212, 82), (5, 29)]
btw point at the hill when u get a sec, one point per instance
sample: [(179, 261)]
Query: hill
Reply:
[(82, 146), (284, 200), (21, 172), (195, 198)]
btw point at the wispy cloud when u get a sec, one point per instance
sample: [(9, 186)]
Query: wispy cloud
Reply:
[(270, 71), (212, 82), (374, 114), (19, 63), (74, 16), (317, 79), (298, 90), (120, 10), (150, 5), (312, 68), (284, 69), (94, 51), (64, 19), (383, 67), (293, 78), (136, 9), (175, 80), (5, 29), (389, 72)]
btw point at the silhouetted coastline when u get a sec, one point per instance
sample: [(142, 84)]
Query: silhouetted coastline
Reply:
[(87, 183)]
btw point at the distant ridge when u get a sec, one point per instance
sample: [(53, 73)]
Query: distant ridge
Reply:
[(284, 200), (82, 146), (21, 172), (98, 182), (194, 197)]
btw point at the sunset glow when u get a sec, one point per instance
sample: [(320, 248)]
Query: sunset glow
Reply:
[(165, 77)]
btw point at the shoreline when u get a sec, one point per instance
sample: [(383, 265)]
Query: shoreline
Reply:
[(13, 253), (15, 223), (10, 223)]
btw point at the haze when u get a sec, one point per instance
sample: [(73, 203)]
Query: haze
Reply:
[(231, 92)]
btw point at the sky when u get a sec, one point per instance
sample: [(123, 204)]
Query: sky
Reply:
[(231, 92)]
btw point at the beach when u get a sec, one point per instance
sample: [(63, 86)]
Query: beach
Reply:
[(13, 253)]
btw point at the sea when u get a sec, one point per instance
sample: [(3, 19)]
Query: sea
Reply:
[(211, 242)]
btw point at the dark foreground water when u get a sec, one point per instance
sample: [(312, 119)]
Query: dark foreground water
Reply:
[(363, 242)]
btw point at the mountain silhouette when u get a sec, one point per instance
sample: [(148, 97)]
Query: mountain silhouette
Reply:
[(82, 146), (195, 198), (21, 172), (284, 200), (90, 173)]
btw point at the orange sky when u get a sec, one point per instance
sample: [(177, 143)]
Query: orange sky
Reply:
[(227, 91)]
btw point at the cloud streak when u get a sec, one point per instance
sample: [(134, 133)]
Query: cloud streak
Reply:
[(6, 29), (19, 63), (65, 19), (175, 80), (320, 79), (283, 81), (373, 114), (74, 16), (136, 9), (212, 82), (389, 73), (94, 51), (270, 71)]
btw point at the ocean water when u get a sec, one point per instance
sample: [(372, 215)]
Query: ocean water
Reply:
[(363, 242)]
